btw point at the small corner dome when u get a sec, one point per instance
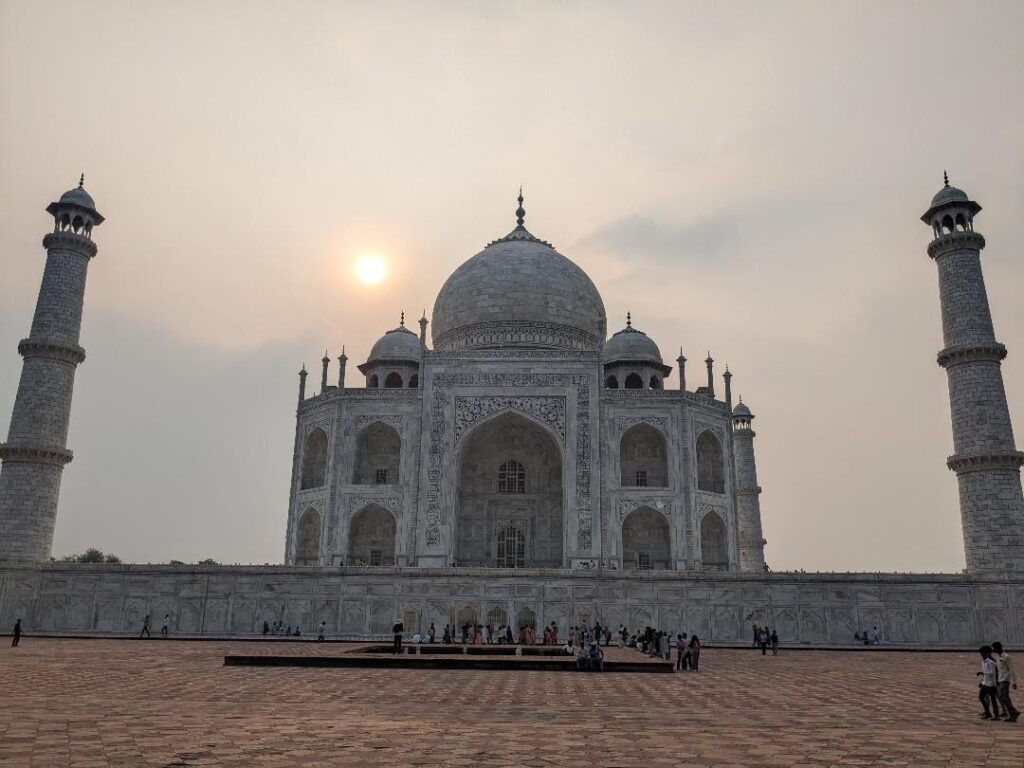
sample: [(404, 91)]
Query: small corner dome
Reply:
[(742, 410), (949, 195), (629, 344), (398, 344)]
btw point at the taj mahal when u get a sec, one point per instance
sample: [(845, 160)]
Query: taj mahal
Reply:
[(519, 464), (519, 436)]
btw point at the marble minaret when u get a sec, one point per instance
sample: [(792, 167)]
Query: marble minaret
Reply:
[(748, 492), (35, 452), (985, 459)]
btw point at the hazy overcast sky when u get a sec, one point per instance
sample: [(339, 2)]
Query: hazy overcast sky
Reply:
[(744, 177)]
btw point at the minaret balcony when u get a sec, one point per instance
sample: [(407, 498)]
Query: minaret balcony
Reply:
[(67, 240), (36, 454), (987, 351), (955, 241), (979, 463)]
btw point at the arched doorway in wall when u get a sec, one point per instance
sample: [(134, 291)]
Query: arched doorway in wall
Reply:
[(314, 460), (509, 495), (371, 537), (714, 543), (710, 464), (646, 540), (378, 455), (643, 457), (307, 538)]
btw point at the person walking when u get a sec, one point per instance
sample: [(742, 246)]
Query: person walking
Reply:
[(680, 653), (988, 692), (397, 631), (266, 629), (1006, 678), (431, 633), (762, 640), (164, 628), (775, 643), (694, 652), (145, 627), (16, 639), (323, 629)]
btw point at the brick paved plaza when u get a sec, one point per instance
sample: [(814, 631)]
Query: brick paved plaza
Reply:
[(167, 703)]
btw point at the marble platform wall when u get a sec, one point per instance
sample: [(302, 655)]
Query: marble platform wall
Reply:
[(921, 609)]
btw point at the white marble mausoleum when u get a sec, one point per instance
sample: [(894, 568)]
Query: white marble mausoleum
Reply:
[(521, 435)]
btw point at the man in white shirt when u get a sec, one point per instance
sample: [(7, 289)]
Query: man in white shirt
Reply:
[(1006, 677), (987, 691)]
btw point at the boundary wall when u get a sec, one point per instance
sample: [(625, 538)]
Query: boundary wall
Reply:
[(362, 603)]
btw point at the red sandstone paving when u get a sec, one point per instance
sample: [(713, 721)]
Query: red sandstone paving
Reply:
[(174, 704)]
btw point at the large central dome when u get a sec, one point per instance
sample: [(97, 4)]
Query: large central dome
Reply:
[(518, 292)]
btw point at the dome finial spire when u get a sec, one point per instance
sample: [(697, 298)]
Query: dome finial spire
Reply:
[(81, 180), (401, 322), (945, 178), (629, 319), (520, 212)]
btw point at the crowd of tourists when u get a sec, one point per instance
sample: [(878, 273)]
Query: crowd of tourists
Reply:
[(765, 638), (995, 680)]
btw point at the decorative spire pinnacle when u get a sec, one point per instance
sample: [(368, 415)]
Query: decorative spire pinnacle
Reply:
[(343, 351), (81, 180), (520, 211), (629, 320), (325, 357), (303, 371), (401, 322), (945, 178), (741, 399)]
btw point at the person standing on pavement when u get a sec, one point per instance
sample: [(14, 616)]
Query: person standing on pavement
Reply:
[(694, 652), (775, 643), (165, 628), (398, 630), (1006, 678), (16, 639), (145, 627)]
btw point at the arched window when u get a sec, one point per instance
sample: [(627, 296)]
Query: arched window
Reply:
[(497, 617), (646, 541), (710, 465), (511, 547), (611, 382), (643, 457), (655, 382), (526, 618), (633, 381), (414, 381), (393, 381), (373, 382), (314, 460), (961, 224), (947, 224), (714, 543), (378, 456), (511, 477), (307, 538), (467, 615), (371, 537)]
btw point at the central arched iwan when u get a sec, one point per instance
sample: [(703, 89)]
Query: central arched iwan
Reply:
[(510, 474)]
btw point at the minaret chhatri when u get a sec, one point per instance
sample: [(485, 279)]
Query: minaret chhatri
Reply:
[(748, 492), (985, 459), (35, 452)]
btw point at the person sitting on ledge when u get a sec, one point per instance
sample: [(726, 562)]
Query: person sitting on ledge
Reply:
[(570, 648), (596, 657)]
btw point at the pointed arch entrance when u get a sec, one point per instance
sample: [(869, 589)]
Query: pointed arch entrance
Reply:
[(371, 537), (509, 495)]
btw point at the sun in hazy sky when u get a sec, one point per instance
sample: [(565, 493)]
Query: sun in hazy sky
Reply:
[(370, 269)]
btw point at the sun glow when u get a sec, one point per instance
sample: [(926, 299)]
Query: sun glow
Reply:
[(370, 269)]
